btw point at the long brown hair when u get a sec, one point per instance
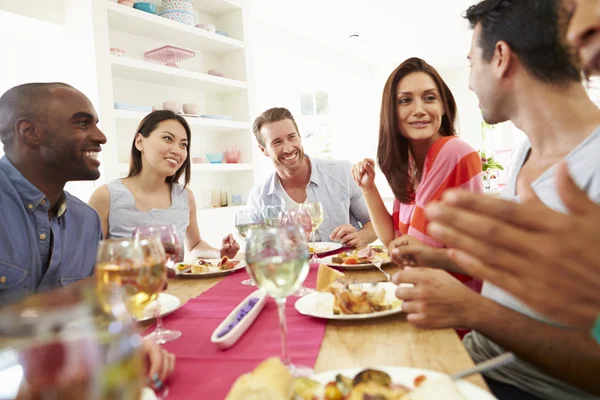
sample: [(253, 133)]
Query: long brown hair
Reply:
[(393, 147), (146, 127)]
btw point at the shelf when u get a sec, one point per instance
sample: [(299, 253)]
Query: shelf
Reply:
[(207, 167), (206, 124), (170, 32), (137, 70), (228, 209)]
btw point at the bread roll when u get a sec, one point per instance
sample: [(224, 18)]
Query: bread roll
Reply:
[(270, 380), (326, 276)]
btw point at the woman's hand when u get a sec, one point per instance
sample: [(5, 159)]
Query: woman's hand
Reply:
[(159, 363), (229, 247), (363, 173)]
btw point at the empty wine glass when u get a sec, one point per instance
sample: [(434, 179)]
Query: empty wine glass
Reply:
[(244, 221), (173, 251), (315, 210), (300, 219), (278, 258)]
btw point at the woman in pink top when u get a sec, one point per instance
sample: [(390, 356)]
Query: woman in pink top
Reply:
[(420, 155)]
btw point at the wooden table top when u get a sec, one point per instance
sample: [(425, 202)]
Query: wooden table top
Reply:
[(378, 342)]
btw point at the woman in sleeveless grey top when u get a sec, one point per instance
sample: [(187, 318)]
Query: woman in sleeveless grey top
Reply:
[(160, 155)]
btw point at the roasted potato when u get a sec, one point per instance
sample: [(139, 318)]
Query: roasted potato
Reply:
[(372, 375)]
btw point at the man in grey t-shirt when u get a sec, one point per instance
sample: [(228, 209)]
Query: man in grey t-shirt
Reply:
[(520, 72)]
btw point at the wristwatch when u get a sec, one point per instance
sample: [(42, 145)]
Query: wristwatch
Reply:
[(596, 329)]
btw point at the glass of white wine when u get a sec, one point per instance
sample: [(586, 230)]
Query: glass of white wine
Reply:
[(279, 260), (270, 214), (244, 221), (302, 220), (315, 210)]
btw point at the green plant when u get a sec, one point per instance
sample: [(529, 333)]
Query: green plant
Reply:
[(488, 163)]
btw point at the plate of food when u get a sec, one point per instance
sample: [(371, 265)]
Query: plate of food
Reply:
[(168, 304), (209, 268), (324, 247), (271, 379), (358, 259)]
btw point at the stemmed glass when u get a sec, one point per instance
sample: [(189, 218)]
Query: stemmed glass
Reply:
[(173, 251), (270, 214), (278, 258), (315, 210), (244, 221), (300, 219)]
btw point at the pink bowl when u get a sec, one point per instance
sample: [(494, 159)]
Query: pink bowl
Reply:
[(231, 155), (127, 3)]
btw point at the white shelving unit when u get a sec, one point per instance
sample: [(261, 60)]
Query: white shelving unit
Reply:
[(104, 24)]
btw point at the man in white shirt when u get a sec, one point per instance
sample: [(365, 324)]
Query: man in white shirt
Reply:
[(298, 179)]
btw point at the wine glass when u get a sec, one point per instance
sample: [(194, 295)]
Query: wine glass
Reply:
[(244, 221), (278, 258), (315, 210), (66, 344), (167, 235), (270, 214), (300, 219)]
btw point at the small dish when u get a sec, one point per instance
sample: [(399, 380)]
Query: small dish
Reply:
[(117, 52), (198, 160), (145, 6), (221, 33), (217, 116), (171, 106), (215, 72), (126, 3), (215, 158), (133, 107), (191, 108), (243, 321), (207, 27)]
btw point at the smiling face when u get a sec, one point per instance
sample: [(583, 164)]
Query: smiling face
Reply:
[(72, 139), (165, 149), (283, 144), (419, 107), (584, 32)]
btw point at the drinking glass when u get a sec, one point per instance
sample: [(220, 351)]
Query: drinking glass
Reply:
[(244, 221), (173, 253), (270, 214), (70, 343), (278, 258), (315, 210), (300, 219)]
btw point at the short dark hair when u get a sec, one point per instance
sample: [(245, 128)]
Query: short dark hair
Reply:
[(30, 100), (271, 115), (146, 127), (532, 29)]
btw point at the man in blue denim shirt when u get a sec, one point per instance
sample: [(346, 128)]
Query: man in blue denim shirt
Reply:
[(48, 238), (298, 179)]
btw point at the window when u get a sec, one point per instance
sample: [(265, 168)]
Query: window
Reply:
[(314, 124)]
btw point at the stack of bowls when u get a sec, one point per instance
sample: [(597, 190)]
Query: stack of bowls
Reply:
[(178, 10)]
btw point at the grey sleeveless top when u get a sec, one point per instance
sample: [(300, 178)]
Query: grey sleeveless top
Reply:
[(124, 215)]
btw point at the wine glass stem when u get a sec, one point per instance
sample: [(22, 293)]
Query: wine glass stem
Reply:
[(314, 259), (285, 357), (159, 324)]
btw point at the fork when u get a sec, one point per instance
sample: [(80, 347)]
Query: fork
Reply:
[(377, 265)]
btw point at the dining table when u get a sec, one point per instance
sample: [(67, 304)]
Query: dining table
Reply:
[(385, 341)]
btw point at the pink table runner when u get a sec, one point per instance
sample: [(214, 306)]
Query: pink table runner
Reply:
[(203, 371)]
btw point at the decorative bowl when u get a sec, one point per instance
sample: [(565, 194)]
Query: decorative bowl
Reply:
[(215, 158), (231, 155), (198, 160), (207, 27), (171, 106), (191, 108), (177, 5), (183, 17), (215, 72), (146, 7), (117, 52), (126, 3)]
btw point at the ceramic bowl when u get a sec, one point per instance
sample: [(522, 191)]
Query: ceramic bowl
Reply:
[(215, 72), (126, 3), (183, 17), (177, 5), (191, 108), (215, 158), (146, 7), (171, 106), (207, 27), (117, 52), (198, 160)]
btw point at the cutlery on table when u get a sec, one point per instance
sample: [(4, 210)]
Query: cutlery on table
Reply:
[(488, 365)]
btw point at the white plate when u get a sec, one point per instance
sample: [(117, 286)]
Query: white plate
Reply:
[(148, 394), (406, 376), (168, 304), (320, 304), (326, 247), (189, 115), (241, 265), (217, 116), (327, 261)]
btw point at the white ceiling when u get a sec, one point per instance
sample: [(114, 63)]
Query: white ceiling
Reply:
[(390, 30)]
